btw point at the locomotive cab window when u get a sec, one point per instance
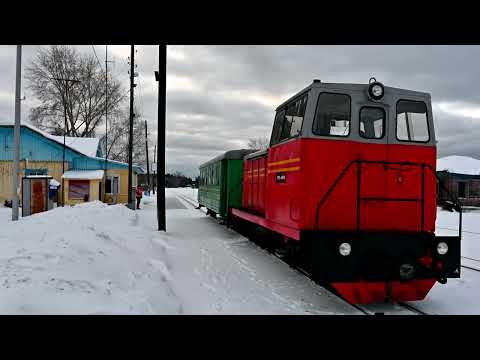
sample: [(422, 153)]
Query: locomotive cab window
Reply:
[(332, 117), (372, 122), (412, 122), (297, 112), (288, 123), (277, 127)]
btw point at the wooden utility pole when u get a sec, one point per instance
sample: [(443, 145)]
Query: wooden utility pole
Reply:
[(65, 99), (106, 119), (148, 163), (16, 131), (154, 180), (131, 201), (161, 78)]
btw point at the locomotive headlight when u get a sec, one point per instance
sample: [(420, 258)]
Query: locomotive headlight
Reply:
[(345, 249), (375, 90), (442, 248)]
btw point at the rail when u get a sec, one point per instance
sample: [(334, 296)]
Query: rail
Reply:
[(386, 165)]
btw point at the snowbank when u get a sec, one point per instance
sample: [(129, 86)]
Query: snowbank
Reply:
[(459, 164), (87, 259)]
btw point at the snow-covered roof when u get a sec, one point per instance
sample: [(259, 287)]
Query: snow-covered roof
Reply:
[(83, 174), (85, 145), (38, 176), (459, 164)]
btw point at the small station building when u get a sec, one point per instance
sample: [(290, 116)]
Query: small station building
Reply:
[(460, 177), (87, 175)]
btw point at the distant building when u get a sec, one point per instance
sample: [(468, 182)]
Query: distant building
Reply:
[(84, 179), (460, 176)]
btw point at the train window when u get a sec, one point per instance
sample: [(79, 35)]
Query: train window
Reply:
[(297, 121), (289, 119), (277, 127), (292, 121), (372, 122), (332, 117), (412, 122)]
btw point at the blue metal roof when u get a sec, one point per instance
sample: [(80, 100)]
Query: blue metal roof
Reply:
[(35, 146)]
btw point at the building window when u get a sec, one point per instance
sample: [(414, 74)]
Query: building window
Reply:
[(462, 189), (112, 184), (78, 189), (474, 189), (412, 123), (332, 117), (372, 122)]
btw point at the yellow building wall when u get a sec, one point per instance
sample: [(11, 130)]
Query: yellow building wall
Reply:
[(122, 196), (55, 170), (94, 186), (6, 174)]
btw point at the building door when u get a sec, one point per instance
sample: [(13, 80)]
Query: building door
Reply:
[(461, 189), (38, 196), (100, 191)]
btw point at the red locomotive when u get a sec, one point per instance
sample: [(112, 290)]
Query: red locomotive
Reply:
[(348, 185)]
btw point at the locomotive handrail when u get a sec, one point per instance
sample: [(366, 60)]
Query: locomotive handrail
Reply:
[(385, 163)]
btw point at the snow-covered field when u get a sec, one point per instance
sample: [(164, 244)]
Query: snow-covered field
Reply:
[(99, 259), (458, 296)]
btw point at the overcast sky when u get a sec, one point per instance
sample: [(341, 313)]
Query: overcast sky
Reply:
[(220, 96)]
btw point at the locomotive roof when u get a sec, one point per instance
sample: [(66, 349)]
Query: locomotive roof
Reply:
[(255, 154), (230, 155), (349, 87)]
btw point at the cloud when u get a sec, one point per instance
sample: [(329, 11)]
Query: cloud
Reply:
[(220, 96)]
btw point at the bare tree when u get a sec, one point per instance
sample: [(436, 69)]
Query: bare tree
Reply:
[(260, 143), (84, 102), (117, 147)]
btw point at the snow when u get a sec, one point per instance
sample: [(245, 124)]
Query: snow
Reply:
[(457, 296), (459, 165), (54, 183), (98, 259), (84, 145), (83, 174)]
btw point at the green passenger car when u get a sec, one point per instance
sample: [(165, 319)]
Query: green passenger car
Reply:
[(220, 186)]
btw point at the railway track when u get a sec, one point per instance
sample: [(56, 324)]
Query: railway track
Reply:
[(470, 268), (469, 258), (389, 309), (188, 200), (374, 309)]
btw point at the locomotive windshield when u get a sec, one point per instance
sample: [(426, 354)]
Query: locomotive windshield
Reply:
[(372, 122), (332, 117), (412, 122), (288, 121)]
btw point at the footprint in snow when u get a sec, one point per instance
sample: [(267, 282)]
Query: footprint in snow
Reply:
[(72, 285)]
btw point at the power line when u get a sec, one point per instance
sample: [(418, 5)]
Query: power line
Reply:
[(95, 53)]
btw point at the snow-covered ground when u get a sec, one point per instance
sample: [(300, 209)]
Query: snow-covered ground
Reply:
[(99, 259), (458, 296)]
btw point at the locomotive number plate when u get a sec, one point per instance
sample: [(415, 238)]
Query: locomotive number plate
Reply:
[(281, 177)]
